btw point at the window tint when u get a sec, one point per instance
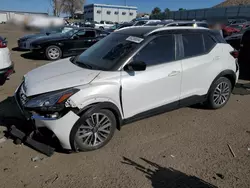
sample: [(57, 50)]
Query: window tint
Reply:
[(209, 42), (159, 50), (193, 45), (86, 34), (101, 33)]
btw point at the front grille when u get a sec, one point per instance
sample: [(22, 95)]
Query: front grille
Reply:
[(23, 98)]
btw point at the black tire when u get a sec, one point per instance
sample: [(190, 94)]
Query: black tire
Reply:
[(78, 142), (212, 100), (57, 55), (102, 28)]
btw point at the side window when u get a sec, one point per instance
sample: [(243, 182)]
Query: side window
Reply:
[(89, 34), (86, 34), (101, 33), (159, 50), (209, 42), (193, 45), (81, 34)]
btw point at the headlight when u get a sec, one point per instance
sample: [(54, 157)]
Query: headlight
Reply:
[(53, 101)]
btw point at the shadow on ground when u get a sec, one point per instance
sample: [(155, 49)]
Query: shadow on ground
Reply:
[(241, 89), (162, 177), (19, 50), (10, 114), (33, 56)]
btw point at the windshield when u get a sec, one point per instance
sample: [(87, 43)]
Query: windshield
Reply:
[(57, 30), (70, 32), (105, 54)]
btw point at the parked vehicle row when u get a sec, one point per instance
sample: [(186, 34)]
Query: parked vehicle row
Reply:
[(64, 42), (130, 74), (24, 42)]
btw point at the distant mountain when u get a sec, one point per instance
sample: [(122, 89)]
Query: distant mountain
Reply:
[(232, 3)]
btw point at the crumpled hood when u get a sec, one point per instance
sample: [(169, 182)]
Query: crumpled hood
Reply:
[(58, 75)]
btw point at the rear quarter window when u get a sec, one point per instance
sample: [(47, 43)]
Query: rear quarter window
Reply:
[(193, 45), (209, 43)]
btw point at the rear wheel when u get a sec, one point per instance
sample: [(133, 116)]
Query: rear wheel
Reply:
[(53, 52), (102, 28), (94, 131), (219, 93)]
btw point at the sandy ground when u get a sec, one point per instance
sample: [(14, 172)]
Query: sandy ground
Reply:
[(183, 148)]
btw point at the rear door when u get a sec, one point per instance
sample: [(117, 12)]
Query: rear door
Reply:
[(200, 64)]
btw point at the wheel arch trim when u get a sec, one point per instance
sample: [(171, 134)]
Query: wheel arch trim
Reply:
[(230, 74)]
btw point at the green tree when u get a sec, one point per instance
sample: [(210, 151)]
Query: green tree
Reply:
[(180, 9), (166, 12), (156, 10)]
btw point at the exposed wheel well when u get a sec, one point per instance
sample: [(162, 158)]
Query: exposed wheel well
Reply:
[(231, 78), (229, 74)]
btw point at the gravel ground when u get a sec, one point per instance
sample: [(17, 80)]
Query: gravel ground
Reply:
[(182, 148)]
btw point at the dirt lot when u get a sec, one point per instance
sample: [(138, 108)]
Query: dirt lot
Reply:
[(183, 148)]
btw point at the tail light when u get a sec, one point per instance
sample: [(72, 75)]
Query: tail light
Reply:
[(235, 54), (3, 44)]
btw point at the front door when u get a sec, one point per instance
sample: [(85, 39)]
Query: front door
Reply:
[(159, 84), (86, 39)]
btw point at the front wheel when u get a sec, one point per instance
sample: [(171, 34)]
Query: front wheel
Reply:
[(94, 131), (219, 93), (53, 52)]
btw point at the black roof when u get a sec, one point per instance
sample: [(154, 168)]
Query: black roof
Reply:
[(137, 31)]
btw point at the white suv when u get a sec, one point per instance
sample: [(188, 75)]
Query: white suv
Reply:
[(131, 74)]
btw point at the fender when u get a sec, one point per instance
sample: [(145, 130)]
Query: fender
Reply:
[(88, 110)]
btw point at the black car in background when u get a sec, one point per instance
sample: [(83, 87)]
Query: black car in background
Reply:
[(235, 39), (119, 26), (24, 42), (73, 42)]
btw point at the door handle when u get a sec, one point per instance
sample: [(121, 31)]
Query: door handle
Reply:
[(174, 73)]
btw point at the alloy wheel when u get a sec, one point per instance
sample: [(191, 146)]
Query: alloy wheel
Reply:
[(95, 130), (53, 53), (221, 93)]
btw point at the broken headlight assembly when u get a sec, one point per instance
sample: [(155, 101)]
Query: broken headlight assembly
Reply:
[(50, 102)]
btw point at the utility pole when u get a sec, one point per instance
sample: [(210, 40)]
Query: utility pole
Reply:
[(125, 2)]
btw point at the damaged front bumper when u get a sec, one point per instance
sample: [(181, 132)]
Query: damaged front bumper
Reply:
[(61, 127)]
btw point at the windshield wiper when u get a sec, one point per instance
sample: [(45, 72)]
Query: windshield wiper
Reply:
[(79, 63)]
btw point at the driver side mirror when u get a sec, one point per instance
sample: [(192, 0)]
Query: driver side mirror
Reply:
[(135, 66)]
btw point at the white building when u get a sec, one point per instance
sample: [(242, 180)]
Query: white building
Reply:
[(7, 15), (114, 13)]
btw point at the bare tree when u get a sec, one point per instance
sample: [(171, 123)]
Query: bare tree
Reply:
[(71, 6), (57, 6)]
